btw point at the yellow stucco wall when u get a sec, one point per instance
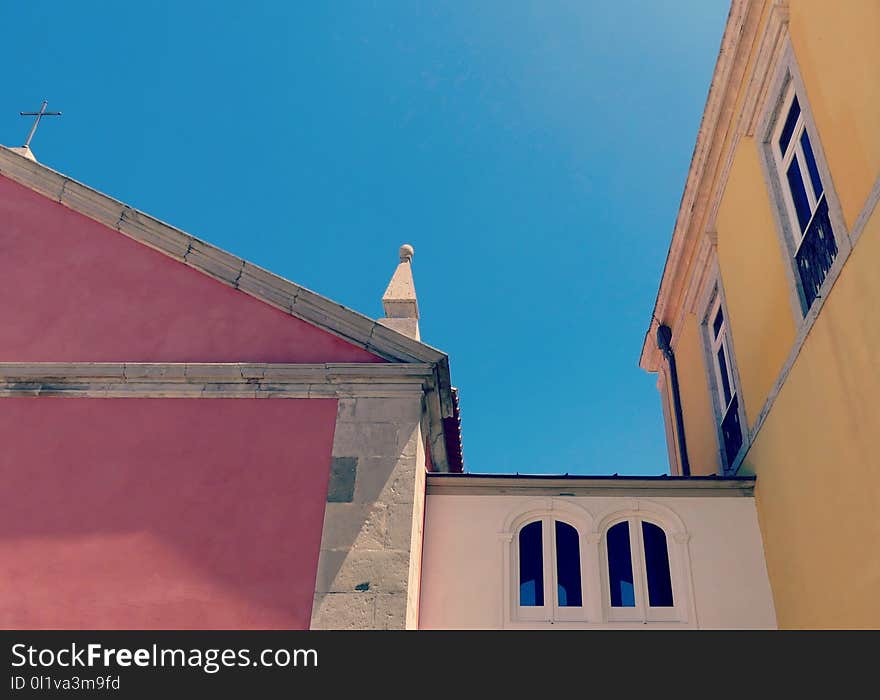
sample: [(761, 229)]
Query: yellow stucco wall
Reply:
[(818, 491), (817, 462), (837, 46), (699, 423), (818, 469), (754, 279)]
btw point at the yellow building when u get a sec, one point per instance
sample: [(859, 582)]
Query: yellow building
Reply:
[(765, 334)]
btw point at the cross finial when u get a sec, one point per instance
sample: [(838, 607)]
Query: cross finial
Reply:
[(39, 115)]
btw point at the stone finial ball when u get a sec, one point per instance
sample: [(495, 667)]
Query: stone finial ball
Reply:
[(406, 252)]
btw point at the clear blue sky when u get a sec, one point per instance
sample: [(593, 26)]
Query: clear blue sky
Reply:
[(533, 153)]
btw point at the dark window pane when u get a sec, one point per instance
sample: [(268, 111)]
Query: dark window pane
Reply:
[(620, 572), (568, 566), (725, 380), (798, 194), (788, 129), (817, 254), (716, 324), (657, 566), (731, 431), (811, 164), (531, 565)]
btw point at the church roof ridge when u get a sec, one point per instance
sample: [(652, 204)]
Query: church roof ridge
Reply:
[(229, 269), (215, 262)]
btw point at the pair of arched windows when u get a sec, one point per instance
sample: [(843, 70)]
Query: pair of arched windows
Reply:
[(636, 575)]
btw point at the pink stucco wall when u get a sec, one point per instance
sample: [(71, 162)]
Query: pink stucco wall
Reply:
[(161, 513), (75, 290)]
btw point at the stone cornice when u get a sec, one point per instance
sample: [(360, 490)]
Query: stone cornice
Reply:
[(556, 486), (213, 380)]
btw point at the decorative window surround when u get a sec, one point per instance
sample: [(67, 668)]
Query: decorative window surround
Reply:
[(549, 607), (847, 239), (786, 84), (547, 511), (807, 324), (638, 609), (596, 611), (677, 537), (711, 300)]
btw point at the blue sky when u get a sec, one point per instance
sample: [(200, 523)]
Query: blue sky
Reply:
[(533, 153)]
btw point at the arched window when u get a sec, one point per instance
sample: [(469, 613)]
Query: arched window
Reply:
[(620, 570), (568, 566), (657, 572), (548, 564), (639, 575), (531, 565)]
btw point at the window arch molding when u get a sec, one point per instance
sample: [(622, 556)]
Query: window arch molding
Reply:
[(539, 507), (677, 538), (546, 511)]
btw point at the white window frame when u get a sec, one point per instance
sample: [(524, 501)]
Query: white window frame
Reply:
[(551, 611), (712, 300), (716, 343), (642, 611), (592, 528), (783, 161), (786, 83)]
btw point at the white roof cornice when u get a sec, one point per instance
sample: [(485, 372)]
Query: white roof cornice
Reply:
[(227, 268), (586, 485), (707, 160)]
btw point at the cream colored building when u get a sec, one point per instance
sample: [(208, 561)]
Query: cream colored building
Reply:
[(476, 571)]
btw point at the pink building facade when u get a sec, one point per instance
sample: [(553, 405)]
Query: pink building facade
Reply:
[(193, 442)]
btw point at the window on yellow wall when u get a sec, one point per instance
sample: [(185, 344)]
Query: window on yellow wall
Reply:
[(811, 237), (723, 379)]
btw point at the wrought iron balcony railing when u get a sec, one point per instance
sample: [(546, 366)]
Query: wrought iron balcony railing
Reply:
[(816, 253), (731, 431)]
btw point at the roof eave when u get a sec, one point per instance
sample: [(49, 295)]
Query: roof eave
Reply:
[(649, 358), (585, 484)]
